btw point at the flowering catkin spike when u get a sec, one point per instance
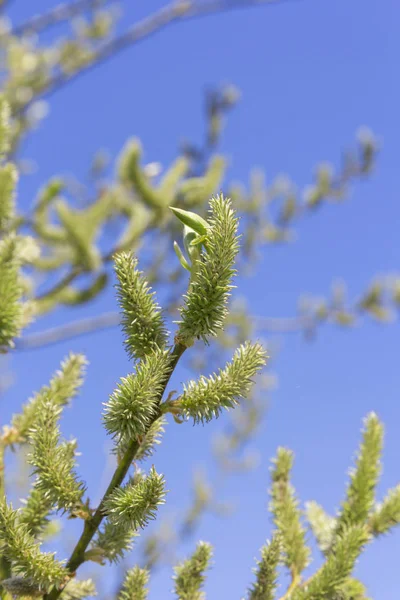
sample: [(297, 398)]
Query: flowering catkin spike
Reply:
[(8, 181), (21, 587), (266, 572), (387, 514), (287, 518), (351, 589), (322, 525), (36, 510), (205, 308), (189, 575), (11, 308), (134, 404), (113, 540), (54, 463), (136, 503), (135, 585), (337, 567), (19, 547), (63, 387), (195, 189), (4, 127), (75, 590), (206, 398), (148, 443), (132, 174), (142, 321), (360, 495)]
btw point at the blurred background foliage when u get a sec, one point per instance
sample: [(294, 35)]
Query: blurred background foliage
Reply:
[(124, 201)]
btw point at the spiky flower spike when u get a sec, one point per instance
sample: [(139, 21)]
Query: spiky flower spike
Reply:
[(133, 406), (62, 388), (135, 585), (11, 253), (54, 462), (387, 513), (142, 321), (19, 547), (205, 308), (189, 576), (287, 516), (136, 503), (328, 581), (266, 572), (113, 540), (205, 399), (322, 525), (11, 313), (364, 477), (75, 590), (148, 442)]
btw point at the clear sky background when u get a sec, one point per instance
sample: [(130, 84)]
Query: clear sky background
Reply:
[(311, 72)]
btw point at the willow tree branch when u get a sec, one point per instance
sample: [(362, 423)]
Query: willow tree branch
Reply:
[(62, 12), (66, 280), (4, 4), (109, 320), (174, 12), (92, 524), (67, 332)]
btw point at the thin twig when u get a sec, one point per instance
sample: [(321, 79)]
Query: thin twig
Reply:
[(179, 10), (66, 332), (110, 320), (5, 4), (60, 13), (62, 284)]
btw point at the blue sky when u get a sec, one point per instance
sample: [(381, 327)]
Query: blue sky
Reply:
[(310, 73)]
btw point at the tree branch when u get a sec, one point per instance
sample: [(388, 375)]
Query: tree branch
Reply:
[(62, 12), (110, 320), (67, 332), (176, 11)]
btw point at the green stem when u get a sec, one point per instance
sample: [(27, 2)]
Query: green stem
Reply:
[(92, 525), (296, 579)]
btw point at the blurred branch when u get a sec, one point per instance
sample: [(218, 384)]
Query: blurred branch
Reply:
[(109, 320), (179, 10), (379, 301), (70, 331), (4, 4), (60, 13)]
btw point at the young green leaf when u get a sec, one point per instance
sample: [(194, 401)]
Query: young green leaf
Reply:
[(181, 257), (205, 308), (192, 220)]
